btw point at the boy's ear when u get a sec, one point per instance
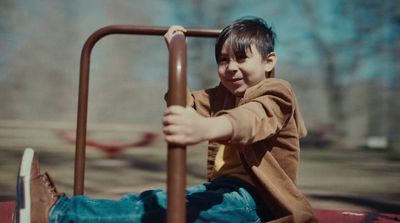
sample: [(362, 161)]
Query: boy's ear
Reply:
[(270, 62)]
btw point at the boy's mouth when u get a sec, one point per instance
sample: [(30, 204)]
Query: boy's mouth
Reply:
[(234, 80)]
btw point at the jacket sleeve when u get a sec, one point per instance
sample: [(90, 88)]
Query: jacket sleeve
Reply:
[(262, 115)]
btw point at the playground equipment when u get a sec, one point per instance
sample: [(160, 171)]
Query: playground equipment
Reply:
[(176, 176)]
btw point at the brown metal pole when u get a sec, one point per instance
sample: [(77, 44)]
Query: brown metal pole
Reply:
[(176, 178)]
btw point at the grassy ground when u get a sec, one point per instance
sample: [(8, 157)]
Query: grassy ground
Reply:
[(332, 178)]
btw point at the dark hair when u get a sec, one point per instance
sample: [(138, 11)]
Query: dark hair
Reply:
[(244, 32)]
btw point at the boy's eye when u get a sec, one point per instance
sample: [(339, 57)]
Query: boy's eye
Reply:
[(223, 60), (241, 59)]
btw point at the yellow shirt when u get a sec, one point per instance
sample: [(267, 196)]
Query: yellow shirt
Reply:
[(228, 163)]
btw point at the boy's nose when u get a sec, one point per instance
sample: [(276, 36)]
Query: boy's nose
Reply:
[(232, 66)]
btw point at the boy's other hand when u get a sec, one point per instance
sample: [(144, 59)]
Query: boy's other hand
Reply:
[(173, 30)]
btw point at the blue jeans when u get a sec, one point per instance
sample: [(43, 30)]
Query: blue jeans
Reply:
[(222, 200)]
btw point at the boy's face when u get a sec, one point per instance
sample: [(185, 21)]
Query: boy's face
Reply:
[(238, 74)]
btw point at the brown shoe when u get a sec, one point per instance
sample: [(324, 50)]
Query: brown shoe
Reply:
[(36, 193)]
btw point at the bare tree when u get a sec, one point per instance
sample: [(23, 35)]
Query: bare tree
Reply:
[(328, 52), (394, 89), (342, 58)]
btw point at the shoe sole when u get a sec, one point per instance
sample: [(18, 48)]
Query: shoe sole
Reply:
[(23, 208)]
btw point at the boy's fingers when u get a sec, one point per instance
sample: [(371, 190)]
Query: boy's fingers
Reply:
[(174, 109), (176, 139), (168, 120), (174, 29), (171, 119), (177, 28), (172, 130)]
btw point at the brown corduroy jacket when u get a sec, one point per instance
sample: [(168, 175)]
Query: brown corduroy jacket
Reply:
[(267, 126)]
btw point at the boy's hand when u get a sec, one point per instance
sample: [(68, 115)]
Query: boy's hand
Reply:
[(185, 126), (173, 30)]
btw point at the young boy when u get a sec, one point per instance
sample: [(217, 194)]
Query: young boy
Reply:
[(253, 126)]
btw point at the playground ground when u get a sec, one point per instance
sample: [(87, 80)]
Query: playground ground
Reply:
[(332, 178)]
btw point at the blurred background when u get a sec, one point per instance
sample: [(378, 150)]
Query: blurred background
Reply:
[(340, 56)]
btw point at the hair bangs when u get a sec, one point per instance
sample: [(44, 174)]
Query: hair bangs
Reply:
[(242, 34), (239, 45)]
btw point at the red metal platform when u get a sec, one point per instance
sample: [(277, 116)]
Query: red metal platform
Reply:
[(323, 215)]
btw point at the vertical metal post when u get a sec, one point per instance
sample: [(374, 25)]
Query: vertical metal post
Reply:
[(176, 179)]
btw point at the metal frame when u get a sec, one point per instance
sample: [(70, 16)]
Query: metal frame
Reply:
[(176, 180)]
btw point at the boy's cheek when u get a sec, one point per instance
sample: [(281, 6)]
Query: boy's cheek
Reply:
[(221, 71)]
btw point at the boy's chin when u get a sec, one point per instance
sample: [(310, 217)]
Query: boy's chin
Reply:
[(238, 93)]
